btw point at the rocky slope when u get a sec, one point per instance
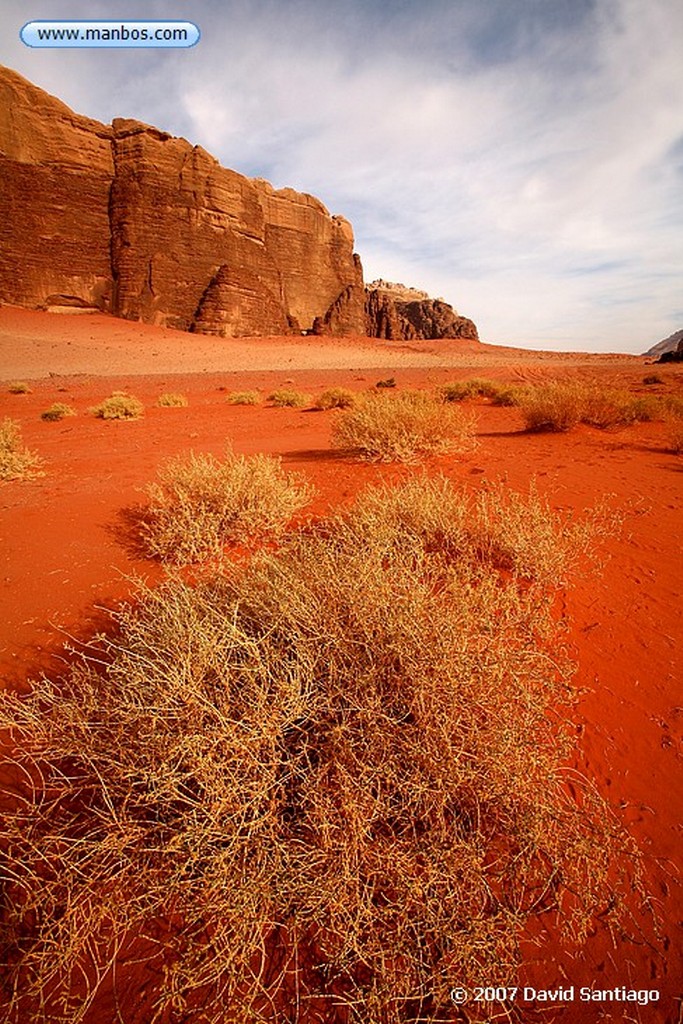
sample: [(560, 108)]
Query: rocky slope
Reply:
[(396, 312), (674, 343), (127, 219)]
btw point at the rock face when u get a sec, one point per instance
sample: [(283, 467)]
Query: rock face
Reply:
[(398, 313), (130, 220), (671, 344), (56, 170), (673, 355)]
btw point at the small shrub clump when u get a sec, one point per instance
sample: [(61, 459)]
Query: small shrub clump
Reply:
[(406, 427), (289, 399), (335, 398), (334, 776), (243, 398), (16, 461), (652, 378), (475, 387), (19, 387), (201, 502), (172, 400), (57, 411), (119, 406)]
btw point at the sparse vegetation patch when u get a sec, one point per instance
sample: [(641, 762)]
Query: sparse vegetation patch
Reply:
[(559, 406), (16, 461), (19, 387)]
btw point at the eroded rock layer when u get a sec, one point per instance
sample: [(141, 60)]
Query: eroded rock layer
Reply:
[(128, 219), (398, 313)]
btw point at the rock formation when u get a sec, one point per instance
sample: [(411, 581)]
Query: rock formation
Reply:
[(672, 344), (130, 220), (127, 219), (396, 312)]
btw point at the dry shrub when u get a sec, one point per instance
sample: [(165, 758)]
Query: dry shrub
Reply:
[(289, 399), (57, 411), (673, 405), (652, 378), (18, 387), (475, 387), (675, 438), (554, 406), (328, 785), (405, 427), (201, 502), (172, 400), (16, 461), (336, 398), (119, 406), (607, 408), (243, 398), (559, 406)]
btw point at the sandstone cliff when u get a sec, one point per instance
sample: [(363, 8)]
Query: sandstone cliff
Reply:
[(396, 312), (128, 219)]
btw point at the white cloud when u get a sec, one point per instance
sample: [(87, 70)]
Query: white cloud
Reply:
[(514, 157)]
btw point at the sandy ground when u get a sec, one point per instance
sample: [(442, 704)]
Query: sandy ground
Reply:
[(66, 554), (35, 344)]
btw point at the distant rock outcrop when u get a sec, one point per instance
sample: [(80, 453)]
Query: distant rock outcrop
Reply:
[(399, 313), (670, 344), (130, 220)]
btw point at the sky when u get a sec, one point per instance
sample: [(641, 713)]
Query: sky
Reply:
[(522, 159)]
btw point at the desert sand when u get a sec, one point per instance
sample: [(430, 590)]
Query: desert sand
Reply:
[(67, 558)]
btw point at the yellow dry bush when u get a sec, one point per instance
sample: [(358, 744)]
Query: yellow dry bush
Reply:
[(172, 400), (675, 438), (405, 427), (284, 398), (243, 398), (16, 461), (200, 503), (119, 406), (559, 406), (336, 398), (57, 411), (328, 784)]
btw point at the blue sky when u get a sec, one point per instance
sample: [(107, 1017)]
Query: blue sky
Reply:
[(521, 158)]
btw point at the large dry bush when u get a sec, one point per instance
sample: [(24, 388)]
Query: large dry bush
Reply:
[(17, 462), (200, 503), (327, 785), (405, 427), (561, 405)]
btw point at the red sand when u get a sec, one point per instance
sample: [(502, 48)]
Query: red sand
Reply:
[(65, 557)]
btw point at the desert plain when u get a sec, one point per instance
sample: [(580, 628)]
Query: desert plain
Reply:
[(67, 557)]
